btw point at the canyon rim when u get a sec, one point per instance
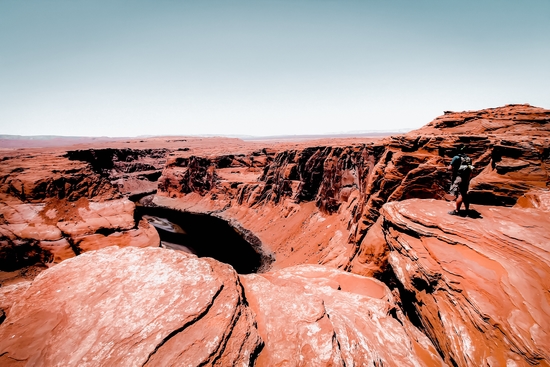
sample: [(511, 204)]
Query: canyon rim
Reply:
[(327, 252)]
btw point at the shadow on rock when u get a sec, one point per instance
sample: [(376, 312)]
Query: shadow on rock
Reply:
[(471, 213)]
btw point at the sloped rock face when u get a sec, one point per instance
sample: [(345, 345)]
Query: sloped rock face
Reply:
[(312, 315), (476, 289), (537, 199), (40, 176), (56, 205), (479, 287), (129, 307)]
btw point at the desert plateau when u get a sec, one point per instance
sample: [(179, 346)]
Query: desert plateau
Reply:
[(213, 251)]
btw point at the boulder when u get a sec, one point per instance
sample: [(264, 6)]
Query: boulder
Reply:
[(128, 307)]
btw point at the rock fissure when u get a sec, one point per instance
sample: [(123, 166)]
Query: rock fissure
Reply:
[(192, 321)]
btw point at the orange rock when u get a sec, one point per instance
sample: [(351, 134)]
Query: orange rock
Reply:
[(479, 283), (126, 307), (511, 119), (311, 315), (537, 199), (60, 250), (144, 236), (10, 294)]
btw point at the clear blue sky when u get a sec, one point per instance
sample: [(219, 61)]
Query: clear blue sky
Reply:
[(127, 68)]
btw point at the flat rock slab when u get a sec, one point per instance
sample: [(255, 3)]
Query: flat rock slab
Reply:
[(480, 283), (130, 307)]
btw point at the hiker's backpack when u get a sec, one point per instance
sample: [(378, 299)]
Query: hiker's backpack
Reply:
[(465, 166)]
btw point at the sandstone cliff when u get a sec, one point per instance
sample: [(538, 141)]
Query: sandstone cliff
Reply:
[(329, 196), (478, 287), (323, 217)]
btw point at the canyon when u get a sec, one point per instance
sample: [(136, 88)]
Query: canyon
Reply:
[(327, 252)]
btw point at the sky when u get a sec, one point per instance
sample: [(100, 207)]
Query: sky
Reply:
[(264, 67)]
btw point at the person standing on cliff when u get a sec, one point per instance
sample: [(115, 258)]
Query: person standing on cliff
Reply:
[(461, 170)]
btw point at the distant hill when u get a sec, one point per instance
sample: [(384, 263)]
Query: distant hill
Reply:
[(44, 141)]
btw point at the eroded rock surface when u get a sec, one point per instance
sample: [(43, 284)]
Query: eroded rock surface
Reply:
[(511, 119), (130, 307), (479, 285), (311, 315), (475, 288), (59, 229)]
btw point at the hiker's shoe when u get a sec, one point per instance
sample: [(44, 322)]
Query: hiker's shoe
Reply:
[(454, 212)]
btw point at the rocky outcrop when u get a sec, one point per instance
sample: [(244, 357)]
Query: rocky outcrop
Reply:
[(55, 204), (311, 315), (131, 171), (537, 199), (56, 230), (41, 176), (478, 285), (129, 307), (513, 119), (156, 307), (465, 291)]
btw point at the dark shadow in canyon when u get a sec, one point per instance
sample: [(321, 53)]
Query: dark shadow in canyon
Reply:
[(207, 236)]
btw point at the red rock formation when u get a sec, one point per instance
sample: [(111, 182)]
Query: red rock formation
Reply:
[(538, 199), (60, 229), (156, 307), (479, 287), (128, 307), (311, 315), (511, 120), (476, 288), (35, 177), (132, 171), (331, 195)]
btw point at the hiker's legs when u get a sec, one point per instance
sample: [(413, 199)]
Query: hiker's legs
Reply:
[(458, 202), (466, 201)]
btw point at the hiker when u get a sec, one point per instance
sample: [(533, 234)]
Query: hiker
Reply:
[(462, 169)]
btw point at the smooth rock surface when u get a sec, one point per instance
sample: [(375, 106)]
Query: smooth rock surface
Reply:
[(130, 307)]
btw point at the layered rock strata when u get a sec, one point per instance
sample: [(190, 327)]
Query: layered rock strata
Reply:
[(131, 171), (477, 285), (465, 291), (56, 204), (56, 230), (511, 119)]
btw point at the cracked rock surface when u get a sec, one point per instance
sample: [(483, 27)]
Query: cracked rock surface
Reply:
[(130, 307)]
